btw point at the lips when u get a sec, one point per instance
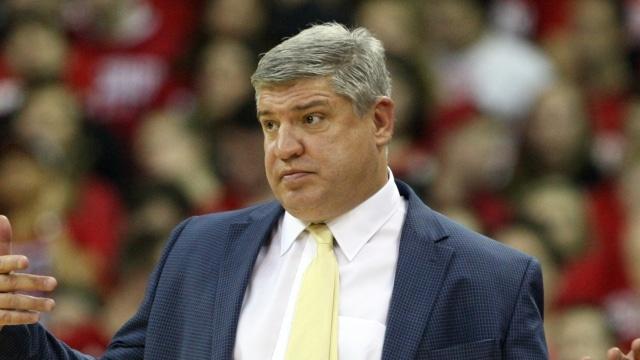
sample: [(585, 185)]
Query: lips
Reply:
[(293, 174)]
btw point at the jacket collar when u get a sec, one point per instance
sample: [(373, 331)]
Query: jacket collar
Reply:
[(421, 269), (419, 274)]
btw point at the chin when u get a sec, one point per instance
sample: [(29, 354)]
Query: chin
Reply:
[(304, 211), (307, 205)]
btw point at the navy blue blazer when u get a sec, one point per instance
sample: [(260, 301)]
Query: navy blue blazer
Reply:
[(457, 294)]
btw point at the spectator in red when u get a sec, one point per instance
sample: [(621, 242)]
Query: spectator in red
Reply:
[(50, 125), (474, 164), (124, 56), (623, 306), (598, 33)]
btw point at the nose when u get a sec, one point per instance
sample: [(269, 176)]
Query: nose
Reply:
[(288, 144)]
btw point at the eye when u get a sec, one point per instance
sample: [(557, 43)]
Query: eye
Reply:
[(312, 119), (269, 125)]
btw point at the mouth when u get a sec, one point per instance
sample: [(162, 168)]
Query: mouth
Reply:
[(293, 175)]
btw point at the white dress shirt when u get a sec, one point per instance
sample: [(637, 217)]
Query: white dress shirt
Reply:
[(367, 243)]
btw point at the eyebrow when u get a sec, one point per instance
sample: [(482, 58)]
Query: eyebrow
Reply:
[(300, 107), (311, 104)]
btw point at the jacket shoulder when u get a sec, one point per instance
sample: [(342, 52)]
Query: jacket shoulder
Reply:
[(218, 220), (467, 242)]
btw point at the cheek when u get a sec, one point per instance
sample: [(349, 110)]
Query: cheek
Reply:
[(269, 156), (269, 163)]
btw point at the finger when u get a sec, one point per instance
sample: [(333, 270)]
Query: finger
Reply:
[(15, 317), (586, 358), (614, 354), (9, 263), (25, 302), (635, 350), (26, 282), (5, 236)]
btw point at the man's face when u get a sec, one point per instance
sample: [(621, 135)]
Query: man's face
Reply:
[(321, 158)]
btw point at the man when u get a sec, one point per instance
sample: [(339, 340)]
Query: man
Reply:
[(347, 262)]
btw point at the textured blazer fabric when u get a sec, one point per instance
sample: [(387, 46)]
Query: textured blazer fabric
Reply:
[(457, 294)]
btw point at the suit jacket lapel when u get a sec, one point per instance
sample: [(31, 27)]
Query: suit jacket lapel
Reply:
[(244, 241), (420, 271)]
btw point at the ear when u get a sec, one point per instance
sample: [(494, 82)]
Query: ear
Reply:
[(383, 120)]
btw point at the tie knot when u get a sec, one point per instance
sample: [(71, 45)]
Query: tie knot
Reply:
[(321, 233)]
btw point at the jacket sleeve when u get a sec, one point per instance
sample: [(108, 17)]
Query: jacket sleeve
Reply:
[(525, 337), (34, 342), (129, 341), (31, 342)]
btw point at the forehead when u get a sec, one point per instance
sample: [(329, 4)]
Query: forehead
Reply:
[(292, 94)]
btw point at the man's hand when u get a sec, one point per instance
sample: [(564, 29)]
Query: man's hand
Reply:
[(16, 309), (634, 354), (616, 354)]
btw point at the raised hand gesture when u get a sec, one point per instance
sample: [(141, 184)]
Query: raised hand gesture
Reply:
[(15, 307), (616, 354)]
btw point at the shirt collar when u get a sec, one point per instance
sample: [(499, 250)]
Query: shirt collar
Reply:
[(353, 229)]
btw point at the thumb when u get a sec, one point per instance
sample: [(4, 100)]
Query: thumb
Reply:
[(635, 349), (5, 236), (615, 354)]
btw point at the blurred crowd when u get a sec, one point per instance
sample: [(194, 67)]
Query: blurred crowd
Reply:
[(517, 118)]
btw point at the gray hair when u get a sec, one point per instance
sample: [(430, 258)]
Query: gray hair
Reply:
[(353, 60)]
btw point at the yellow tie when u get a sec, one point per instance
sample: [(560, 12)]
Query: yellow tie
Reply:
[(314, 332)]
